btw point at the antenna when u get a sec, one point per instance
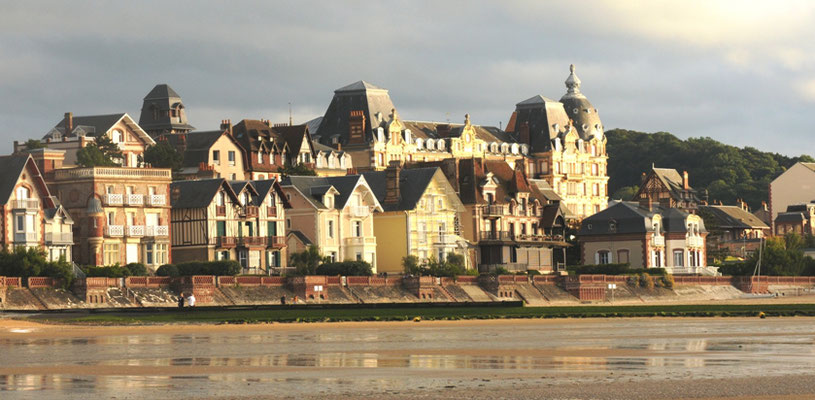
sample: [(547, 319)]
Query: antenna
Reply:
[(290, 119)]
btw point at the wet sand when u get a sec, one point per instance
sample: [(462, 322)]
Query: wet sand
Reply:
[(625, 358)]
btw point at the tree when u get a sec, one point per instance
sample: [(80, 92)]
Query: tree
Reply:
[(307, 261), (101, 153), (163, 155), (33, 144), (26, 262), (625, 193), (297, 170)]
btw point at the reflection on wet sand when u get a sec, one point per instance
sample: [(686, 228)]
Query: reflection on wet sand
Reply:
[(349, 360)]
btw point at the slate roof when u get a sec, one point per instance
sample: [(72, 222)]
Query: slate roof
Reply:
[(546, 119), (372, 100), (430, 130), (674, 182), (161, 91), (794, 217), (197, 193), (162, 97), (729, 217), (197, 145), (302, 237), (92, 124), (265, 186), (343, 184), (545, 189), (294, 136), (412, 184), (358, 86), (12, 167), (629, 217)]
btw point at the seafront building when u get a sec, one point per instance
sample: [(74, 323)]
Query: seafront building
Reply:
[(31, 216), (335, 214), (216, 219), (208, 154), (420, 216), (733, 230)]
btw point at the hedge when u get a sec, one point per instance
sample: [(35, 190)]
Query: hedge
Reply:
[(612, 269), (217, 268), (345, 268)]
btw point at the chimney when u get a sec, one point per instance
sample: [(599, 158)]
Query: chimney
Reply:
[(525, 133), (69, 122), (764, 205), (226, 125), (685, 184), (356, 127), (443, 130), (643, 177), (339, 146), (392, 173)]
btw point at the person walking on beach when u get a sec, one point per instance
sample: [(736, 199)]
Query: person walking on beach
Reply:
[(191, 300), (283, 299), (181, 301)]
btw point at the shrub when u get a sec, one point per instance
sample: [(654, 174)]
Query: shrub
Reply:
[(110, 271), (307, 261), (167, 270), (500, 271), (533, 272), (346, 268), (612, 269), (136, 269), (667, 281), (646, 281), (410, 264)]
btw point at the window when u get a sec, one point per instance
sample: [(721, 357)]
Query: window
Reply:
[(330, 229), (111, 218), (288, 223), (148, 253), (622, 256), (220, 228), (221, 199), (333, 256), (603, 257), (234, 176), (260, 157), (679, 258), (117, 136), (20, 223), (223, 255), (242, 258), (359, 256), (216, 157), (231, 156), (273, 259), (358, 228), (22, 193), (110, 253)]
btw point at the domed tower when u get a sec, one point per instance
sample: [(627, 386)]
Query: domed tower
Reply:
[(583, 115), (163, 112)]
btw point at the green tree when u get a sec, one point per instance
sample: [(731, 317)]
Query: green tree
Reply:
[(625, 193), (101, 153), (297, 170), (163, 155), (307, 261), (33, 144)]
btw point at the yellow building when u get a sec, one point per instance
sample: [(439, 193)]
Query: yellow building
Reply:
[(420, 217)]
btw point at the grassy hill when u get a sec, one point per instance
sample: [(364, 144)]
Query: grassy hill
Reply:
[(726, 172)]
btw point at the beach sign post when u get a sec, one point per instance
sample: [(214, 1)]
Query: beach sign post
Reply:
[(612, 286)]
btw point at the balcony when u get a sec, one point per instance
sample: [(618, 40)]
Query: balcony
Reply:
[(248, 211), (25, 237), (497, 236), (694, 241), (494, 210), (25, 204), (59, 238), (359, 211), (134, 199), (114, 230), (225, 241), (252, 241), (114, 199), (447, 239), (271, 211), (658, 241), (135, 230), (220, 211), (156, 230), (360, 241), (276, 241), (156, 200)]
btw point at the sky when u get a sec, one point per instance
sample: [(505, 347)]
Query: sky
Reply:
[(740, 72)]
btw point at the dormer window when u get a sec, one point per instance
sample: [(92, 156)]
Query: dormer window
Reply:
[(117, 136), (260, 157), (328, 200)]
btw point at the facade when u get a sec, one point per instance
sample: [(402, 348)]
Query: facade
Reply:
[(567, 145), (216, 219), (645, 235), (331, 162), (334, 213), (798, 218), (565, 149), (209, 154), (794, 187), (420, 217), (31, 216), (667, 188), (733, 230), (74, 133), (163, 113), (122, 215)]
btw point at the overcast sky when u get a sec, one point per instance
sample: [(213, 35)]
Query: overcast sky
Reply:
[(742, 74)]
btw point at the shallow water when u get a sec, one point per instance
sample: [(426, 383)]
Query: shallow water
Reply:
[(364, 360)]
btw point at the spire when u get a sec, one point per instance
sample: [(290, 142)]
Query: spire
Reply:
[(572, 82)]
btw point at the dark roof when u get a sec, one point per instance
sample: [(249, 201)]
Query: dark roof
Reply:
[(301, 236), (358, 86), (12, 167), (794, 217), (265, 186), (196, 145), (163, 98), (545, 189), (198, 193), (294, 136), (579, 109), (629, 217), (161, 91), (430, 130), (734, 217), (674, 182), (372, 100), (253, 133), (92, 124), (343, 184), (546, 119), (412, 184)]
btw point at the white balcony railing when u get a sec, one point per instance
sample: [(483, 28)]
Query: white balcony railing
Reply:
[(361, 241), (114, 230), (658, 240), (135, 230), (59, 237), (26, 204), (446, 238), (156, 200), (360, 211), (114, 199), (25, 237), (156, 230), (694, 241), (135, 199)]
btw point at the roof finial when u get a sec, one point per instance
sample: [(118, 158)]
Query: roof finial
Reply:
[(467, 119), (291, 122), (572, 82)]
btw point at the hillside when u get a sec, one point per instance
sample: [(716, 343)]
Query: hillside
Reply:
[(726, 172)]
